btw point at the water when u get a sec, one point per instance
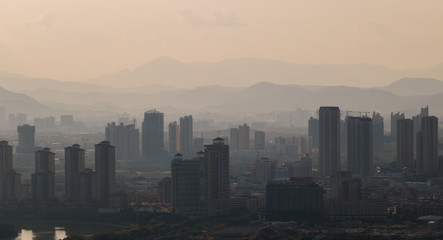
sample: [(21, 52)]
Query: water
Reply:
[(29, 234), (43, 230)]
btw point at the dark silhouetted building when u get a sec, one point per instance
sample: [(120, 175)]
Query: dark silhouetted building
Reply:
[(427, 146), (174, 137), (243, 137), (360, 145), (297, 198), (189, 186), (260, 141), (88, 186), (125, 138), (405, 144), (186, 135), (314, 132), (152, 135), (344, 187), (217, 155), (26, 139), (378, 132), (43, 180), (329, 128), (5, 166), (394, 118), (11, 185), (164, 188), (74, 165), (105, 171)]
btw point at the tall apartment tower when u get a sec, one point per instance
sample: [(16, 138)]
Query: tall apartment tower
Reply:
[(234, 138), (360, 145), (189, 185), (405, 144), (378, 132), (74, 165), (152, 135), (105, 171), (186, 135), (259, 139), (313, 126), (43, 180), (243, 137), (26, 139), (329, 145), (174, 137), (424, 112), (217, 155), (394, 118), (427, 146), (5, 163), (125, 138)]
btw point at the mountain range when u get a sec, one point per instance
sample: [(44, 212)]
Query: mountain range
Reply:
[(42, 96)]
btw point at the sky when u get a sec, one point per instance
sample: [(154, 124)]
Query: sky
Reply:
[(81, 40)]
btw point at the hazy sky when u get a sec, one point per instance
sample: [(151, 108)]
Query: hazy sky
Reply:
[(79, 40)]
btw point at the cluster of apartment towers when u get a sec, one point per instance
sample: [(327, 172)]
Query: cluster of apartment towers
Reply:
[(82, 185), (414, 137)]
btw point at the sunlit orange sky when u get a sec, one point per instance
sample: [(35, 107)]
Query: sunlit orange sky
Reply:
[(80, 40)]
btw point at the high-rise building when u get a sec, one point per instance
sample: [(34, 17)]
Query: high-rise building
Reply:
[(344, 134), (360, 145), (152, 135), (26, 139), (43, 180), (298, 197), (11, 185), (243, 137), (234, 139), (329, 128), (186, 135), (394, 118), (301, 167), (174, 137), (260, 142), (378, 133), (164, 190), (189, 185), (67, 121), (427, 146), (125, 138), (201, 186), (5, 164), (105, 171), (74, 165), (88, 186), (417, 125), (405, 144), (217, 155), (344, 187), (263, 170), (313, 126)]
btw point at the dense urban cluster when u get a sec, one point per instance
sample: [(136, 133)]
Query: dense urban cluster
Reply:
[(345, 168)]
